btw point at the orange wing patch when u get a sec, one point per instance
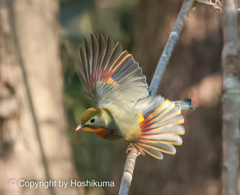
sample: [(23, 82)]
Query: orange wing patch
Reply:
[(164, 116), (160, 129), (111, 81), (141, 118)]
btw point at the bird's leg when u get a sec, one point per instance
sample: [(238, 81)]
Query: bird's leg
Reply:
[(130, 148)]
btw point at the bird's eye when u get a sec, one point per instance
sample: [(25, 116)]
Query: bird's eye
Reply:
[(92, 120)]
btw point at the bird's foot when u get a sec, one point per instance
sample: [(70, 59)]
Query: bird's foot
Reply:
[(130, 148)]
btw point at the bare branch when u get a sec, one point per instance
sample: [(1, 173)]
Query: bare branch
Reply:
[(131, 158), (167, 52), (128, 172)]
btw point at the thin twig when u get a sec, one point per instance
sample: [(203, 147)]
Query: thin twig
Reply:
[(217, 4), (132, 156)]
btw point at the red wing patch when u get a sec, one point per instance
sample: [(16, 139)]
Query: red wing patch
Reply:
[(160, 129), (104, 62)]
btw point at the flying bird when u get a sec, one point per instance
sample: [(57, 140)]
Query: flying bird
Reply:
[(123, 107)]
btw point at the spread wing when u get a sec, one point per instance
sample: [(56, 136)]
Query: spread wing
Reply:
[(108, 73)]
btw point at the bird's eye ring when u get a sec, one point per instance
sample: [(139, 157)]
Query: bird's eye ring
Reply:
[(93, 120)]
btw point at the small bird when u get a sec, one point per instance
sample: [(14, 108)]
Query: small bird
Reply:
[(123, 107)]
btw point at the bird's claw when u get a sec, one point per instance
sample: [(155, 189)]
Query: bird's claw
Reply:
[(130, 148)]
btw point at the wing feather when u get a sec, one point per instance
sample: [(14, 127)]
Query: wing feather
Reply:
[(107, 72)]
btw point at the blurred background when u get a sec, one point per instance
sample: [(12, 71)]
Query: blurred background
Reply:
[(41, 100)]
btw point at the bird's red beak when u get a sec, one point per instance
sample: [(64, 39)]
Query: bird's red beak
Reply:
[(79, 127)]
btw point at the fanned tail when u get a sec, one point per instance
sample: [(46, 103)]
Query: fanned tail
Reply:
[(159, 121)]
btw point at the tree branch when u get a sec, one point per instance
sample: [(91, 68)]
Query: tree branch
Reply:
[(132, 155), (128, 172), (167, 52), (230, 100)]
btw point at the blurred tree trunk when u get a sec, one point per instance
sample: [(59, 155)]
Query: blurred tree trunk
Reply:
[(231, 98), (33, 140)]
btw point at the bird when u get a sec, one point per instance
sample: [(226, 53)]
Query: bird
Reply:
[(123, 107)]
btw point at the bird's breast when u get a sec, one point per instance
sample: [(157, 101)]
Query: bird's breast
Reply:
[(125, 123)]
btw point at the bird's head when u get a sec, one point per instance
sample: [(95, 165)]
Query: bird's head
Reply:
[(94, 120)]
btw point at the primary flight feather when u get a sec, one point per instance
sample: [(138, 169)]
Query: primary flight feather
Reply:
[(123, 106)]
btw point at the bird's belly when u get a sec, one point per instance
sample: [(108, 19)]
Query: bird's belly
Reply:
[(124, 122), (129, 127)]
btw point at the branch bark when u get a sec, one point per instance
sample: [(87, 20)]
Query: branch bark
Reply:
[(128, 172), (162, 64), (167, 52), (231, 98)]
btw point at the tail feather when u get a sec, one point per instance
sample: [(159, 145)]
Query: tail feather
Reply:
[(164, 123), (151, 151), (185, 104), (166, 148), (138, 148), (162, 138), (160, 121), (178, 130)]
